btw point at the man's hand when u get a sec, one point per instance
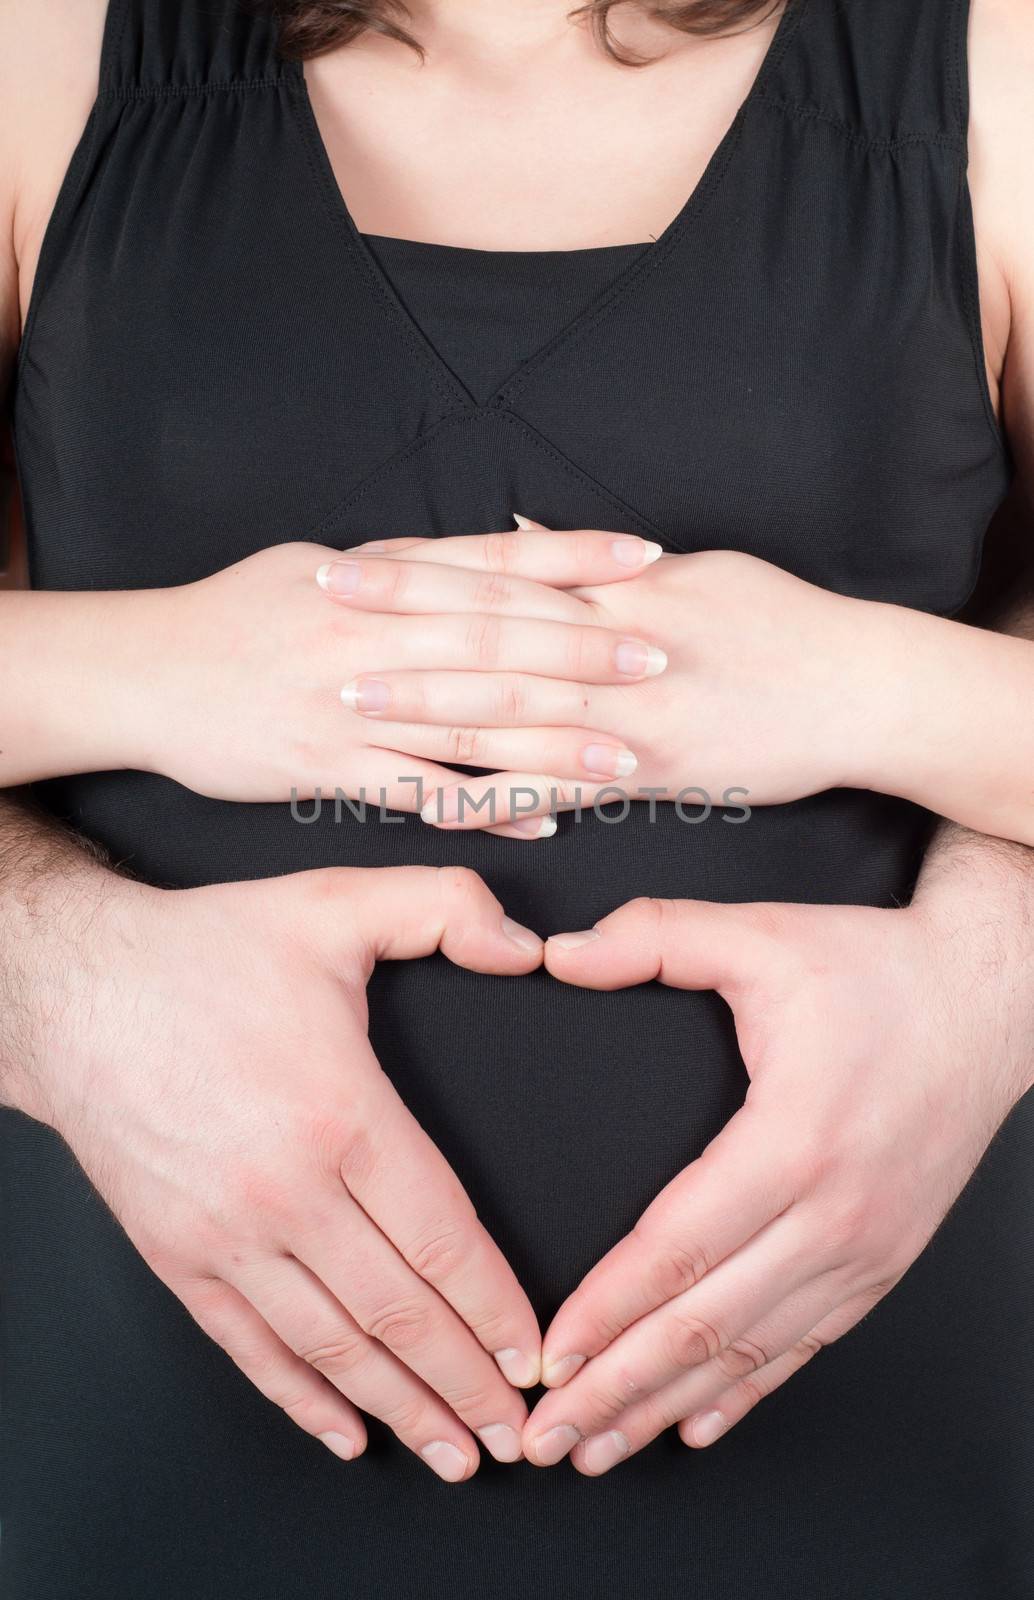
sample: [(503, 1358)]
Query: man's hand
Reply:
[(868, 1036), (210, 1069)]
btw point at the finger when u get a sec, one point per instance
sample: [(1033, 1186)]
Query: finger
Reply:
[(702, 1428), (422, 588), (569, 752), (510, 796), (713, 1207), (311, 1322), (690, 944), (276, 1372), (405, 1185), (481, 642), (401, 913), (707, 1323), (392, 1303), (479, 699), (698, 1391), (563, 559)]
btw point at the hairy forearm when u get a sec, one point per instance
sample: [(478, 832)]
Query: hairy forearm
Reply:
[(53, 886)]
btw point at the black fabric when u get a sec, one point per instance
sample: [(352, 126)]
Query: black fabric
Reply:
[(486, 312), (214, 361)]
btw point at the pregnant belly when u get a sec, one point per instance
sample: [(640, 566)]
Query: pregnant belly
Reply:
[(564, 1111)]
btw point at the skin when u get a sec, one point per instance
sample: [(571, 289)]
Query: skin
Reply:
[(536, 85)]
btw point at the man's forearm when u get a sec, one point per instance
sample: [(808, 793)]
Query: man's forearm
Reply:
[(52, 888)]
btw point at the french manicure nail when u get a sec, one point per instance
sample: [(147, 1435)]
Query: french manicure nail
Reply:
[(556, 1370), (536, 827), (524, 523), (609, 760), (502, 1442), (444, 806), (366, 695), (635, 552), (604, 1451), (571, 941), (340, 577), (517, 1368), (444, 1458), (523, 938), (340, 1443), (637, 660), (708, 1427), (553, 1446)]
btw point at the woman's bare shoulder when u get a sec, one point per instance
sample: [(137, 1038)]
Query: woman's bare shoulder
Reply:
[(49, 63)]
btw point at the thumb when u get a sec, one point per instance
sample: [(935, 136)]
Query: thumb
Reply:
[(400, 913), (690, 944)]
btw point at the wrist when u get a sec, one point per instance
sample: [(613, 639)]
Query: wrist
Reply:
[(891, 714)]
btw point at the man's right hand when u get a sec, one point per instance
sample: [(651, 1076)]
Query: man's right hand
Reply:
[(213, 1076)]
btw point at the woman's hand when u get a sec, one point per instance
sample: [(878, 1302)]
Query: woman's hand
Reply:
[(233, 685), (775, 689), (769, 688), (212, 1074), (867, 1113)]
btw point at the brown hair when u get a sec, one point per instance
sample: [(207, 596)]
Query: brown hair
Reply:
[(312, 27)]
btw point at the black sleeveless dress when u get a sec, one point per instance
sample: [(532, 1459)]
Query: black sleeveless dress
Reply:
[(215, 360)]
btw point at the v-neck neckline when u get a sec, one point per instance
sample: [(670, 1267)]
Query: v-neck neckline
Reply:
[(446, 380)]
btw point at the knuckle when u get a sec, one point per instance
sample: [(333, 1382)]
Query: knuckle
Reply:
[(677, 1268), (406, 1415), (492, 591), (512, 700), (461, 887), (742, 1359), (441, 1251), (356, 1157), (463, 745), (692, 1342), (338, 1354), (482, 640), (401, 1327), (501, 552)]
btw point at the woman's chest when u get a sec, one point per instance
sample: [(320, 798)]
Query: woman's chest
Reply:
[(215, 362)]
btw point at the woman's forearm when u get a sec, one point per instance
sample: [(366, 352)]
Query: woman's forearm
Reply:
[(952, 724), (74, 671)]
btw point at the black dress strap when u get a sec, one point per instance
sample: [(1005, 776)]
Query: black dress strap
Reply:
[(187, 46), (886, 73)]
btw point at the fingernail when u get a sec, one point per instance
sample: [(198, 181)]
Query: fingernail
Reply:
[(517, 1368), (503, 1443), (604, 1451), (553, 1446), (340, 1443), (708, 1427), (609, 760), (571, 941), (442, 807), (524, 523), (557, 1370), (366, 694), (536, 827), (340, 577), (523, 938), (444, 1458), (639, 660), (635, 552)]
